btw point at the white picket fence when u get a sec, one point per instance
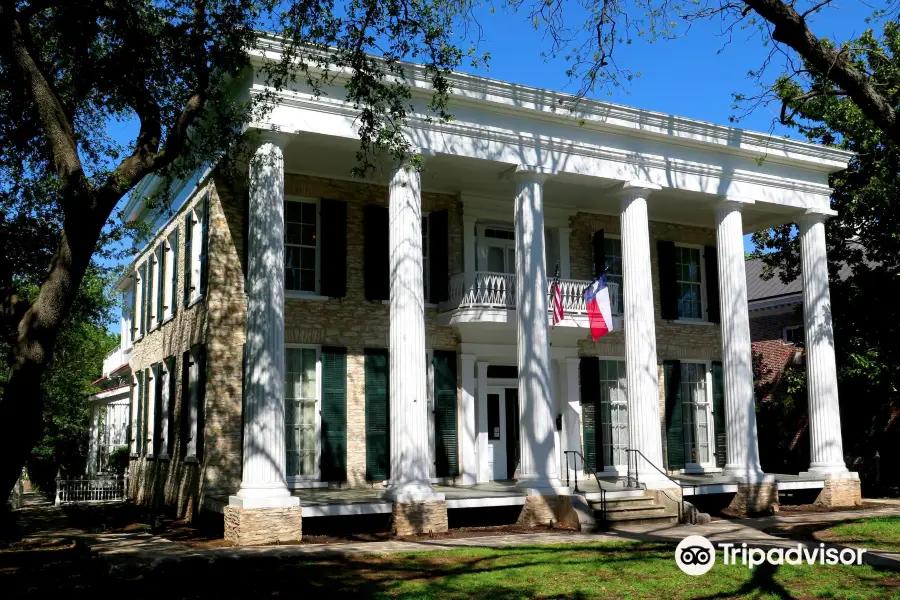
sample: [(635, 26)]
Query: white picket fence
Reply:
[(97, 488)]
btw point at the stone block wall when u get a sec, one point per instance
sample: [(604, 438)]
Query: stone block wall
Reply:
[(179, 483), (840, 493), (353, 321)]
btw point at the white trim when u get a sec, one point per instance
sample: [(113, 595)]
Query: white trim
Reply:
[(316, 476), (704, 301), (343, 510), (318, 273), (710, 465), (485, 502)]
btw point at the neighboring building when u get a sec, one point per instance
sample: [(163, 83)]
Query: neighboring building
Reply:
[(110, 415), (298, 329)]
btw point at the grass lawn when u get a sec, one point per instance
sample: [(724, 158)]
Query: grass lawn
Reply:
[(875, 533), (583, 571)]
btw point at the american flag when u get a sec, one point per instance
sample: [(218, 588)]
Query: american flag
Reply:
[(556, 297)]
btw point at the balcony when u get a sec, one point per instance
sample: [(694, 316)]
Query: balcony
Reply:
[(488, 297)]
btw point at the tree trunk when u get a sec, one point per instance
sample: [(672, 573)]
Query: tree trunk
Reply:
[(21, 402)]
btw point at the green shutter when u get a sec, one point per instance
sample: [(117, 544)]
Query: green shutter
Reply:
[(161, 281), (438, 256), (719, 414), (333, 279), (139, 430), (376, 262), (713, 312), (188, 241), (589, 380), (201, 398), (668, 280), (446, 436), (144, 302), (134, 306), (674, 423), (174, 259), (378, 447), (334, 414), (599, 253)]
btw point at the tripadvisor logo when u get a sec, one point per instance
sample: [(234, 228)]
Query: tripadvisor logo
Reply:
[(695, 555)]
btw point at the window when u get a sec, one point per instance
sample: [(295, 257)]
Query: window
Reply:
[(688, 273), (499, 251), (193, 384), (149, 418), (165, 391), (614, 412), (127, 330), (137, 395), (792, 334), (493, 416), (152, 291), (426, 270), (696, 412), (139, 293), (170, 275), (195, 248), (301, 245), (612, 248), (301, 392)]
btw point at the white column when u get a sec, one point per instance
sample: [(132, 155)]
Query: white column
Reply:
[(484, 473), (565, 261), (263, 482), (538, 467), (826, 450), (737, 360), (468, 439), (572, 416), (410, 480), (93, 462), (642, 380)]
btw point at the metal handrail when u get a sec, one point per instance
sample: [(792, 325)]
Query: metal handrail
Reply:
[(637, 483), (593, 470)]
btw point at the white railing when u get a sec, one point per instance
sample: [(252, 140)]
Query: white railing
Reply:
[(484, 289), (99, 488), (114, 360)]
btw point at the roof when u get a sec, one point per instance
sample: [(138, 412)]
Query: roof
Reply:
[(760, 289)]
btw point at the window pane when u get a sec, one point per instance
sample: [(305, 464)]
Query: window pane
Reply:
[(292, 233), (495, 259), (293, 211), (309, 235)]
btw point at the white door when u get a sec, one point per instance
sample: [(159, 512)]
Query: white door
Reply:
[(301, 417), (497, 433)]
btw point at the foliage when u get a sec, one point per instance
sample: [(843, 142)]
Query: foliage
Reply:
[(118, 460), (863, 249), (782, 422)]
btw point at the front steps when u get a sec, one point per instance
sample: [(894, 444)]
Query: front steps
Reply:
[(633, 507)]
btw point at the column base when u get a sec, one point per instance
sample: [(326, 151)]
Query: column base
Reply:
[(547, 510), (840, 491), (414, 518), (755, 498), (543, 486), (260, 526), (838, 470), (747, 473)]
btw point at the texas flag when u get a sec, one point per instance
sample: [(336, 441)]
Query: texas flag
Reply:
[(596, 298)]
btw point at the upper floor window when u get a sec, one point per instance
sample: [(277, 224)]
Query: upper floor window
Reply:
[(169, 275), (792, 334), (690, 282), (152, 296), (499, 252), (127, 332), (140, 293), (612, 247), (195, 251), (301, 246)]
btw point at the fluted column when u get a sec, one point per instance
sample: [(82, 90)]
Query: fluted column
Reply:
[(408, 404), (826, 450), (641, 371), (737, 364), (572, 416), (484, 473), (538, 466), (263, 482)]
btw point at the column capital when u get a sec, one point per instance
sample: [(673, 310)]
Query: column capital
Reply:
[(816, 216), (483, 364), (731, 203), (528, 173), (277, 138), (636, 186)]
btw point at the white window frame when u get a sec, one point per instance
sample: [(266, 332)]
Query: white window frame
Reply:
[(621, 280), (619, 468), (171, 285), (138, 317), (134, 445), (166, 371), (784, 334), (318, 276), (149, 411), (704, 303), (153, 294), (126, 334), (196, 250), (710, 464), (482, 242), (293, 480)]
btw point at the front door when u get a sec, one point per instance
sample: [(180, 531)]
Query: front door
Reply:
[(503, 432), (512, 432)]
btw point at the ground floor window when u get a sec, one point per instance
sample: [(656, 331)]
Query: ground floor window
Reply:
[(301, 413), (696, 412), (613, 412)]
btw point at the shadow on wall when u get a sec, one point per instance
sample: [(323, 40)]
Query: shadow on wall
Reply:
[(782, 416)]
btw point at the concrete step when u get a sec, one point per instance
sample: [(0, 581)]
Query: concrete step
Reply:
[(614, 495), (629, 503), (630, 514), (660, 520)]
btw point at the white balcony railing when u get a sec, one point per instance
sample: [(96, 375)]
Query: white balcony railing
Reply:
[(484, 289)]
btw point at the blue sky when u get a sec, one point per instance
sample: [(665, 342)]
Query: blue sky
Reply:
[(688, 76)]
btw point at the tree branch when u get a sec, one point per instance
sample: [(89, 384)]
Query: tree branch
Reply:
[(790, 29)]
